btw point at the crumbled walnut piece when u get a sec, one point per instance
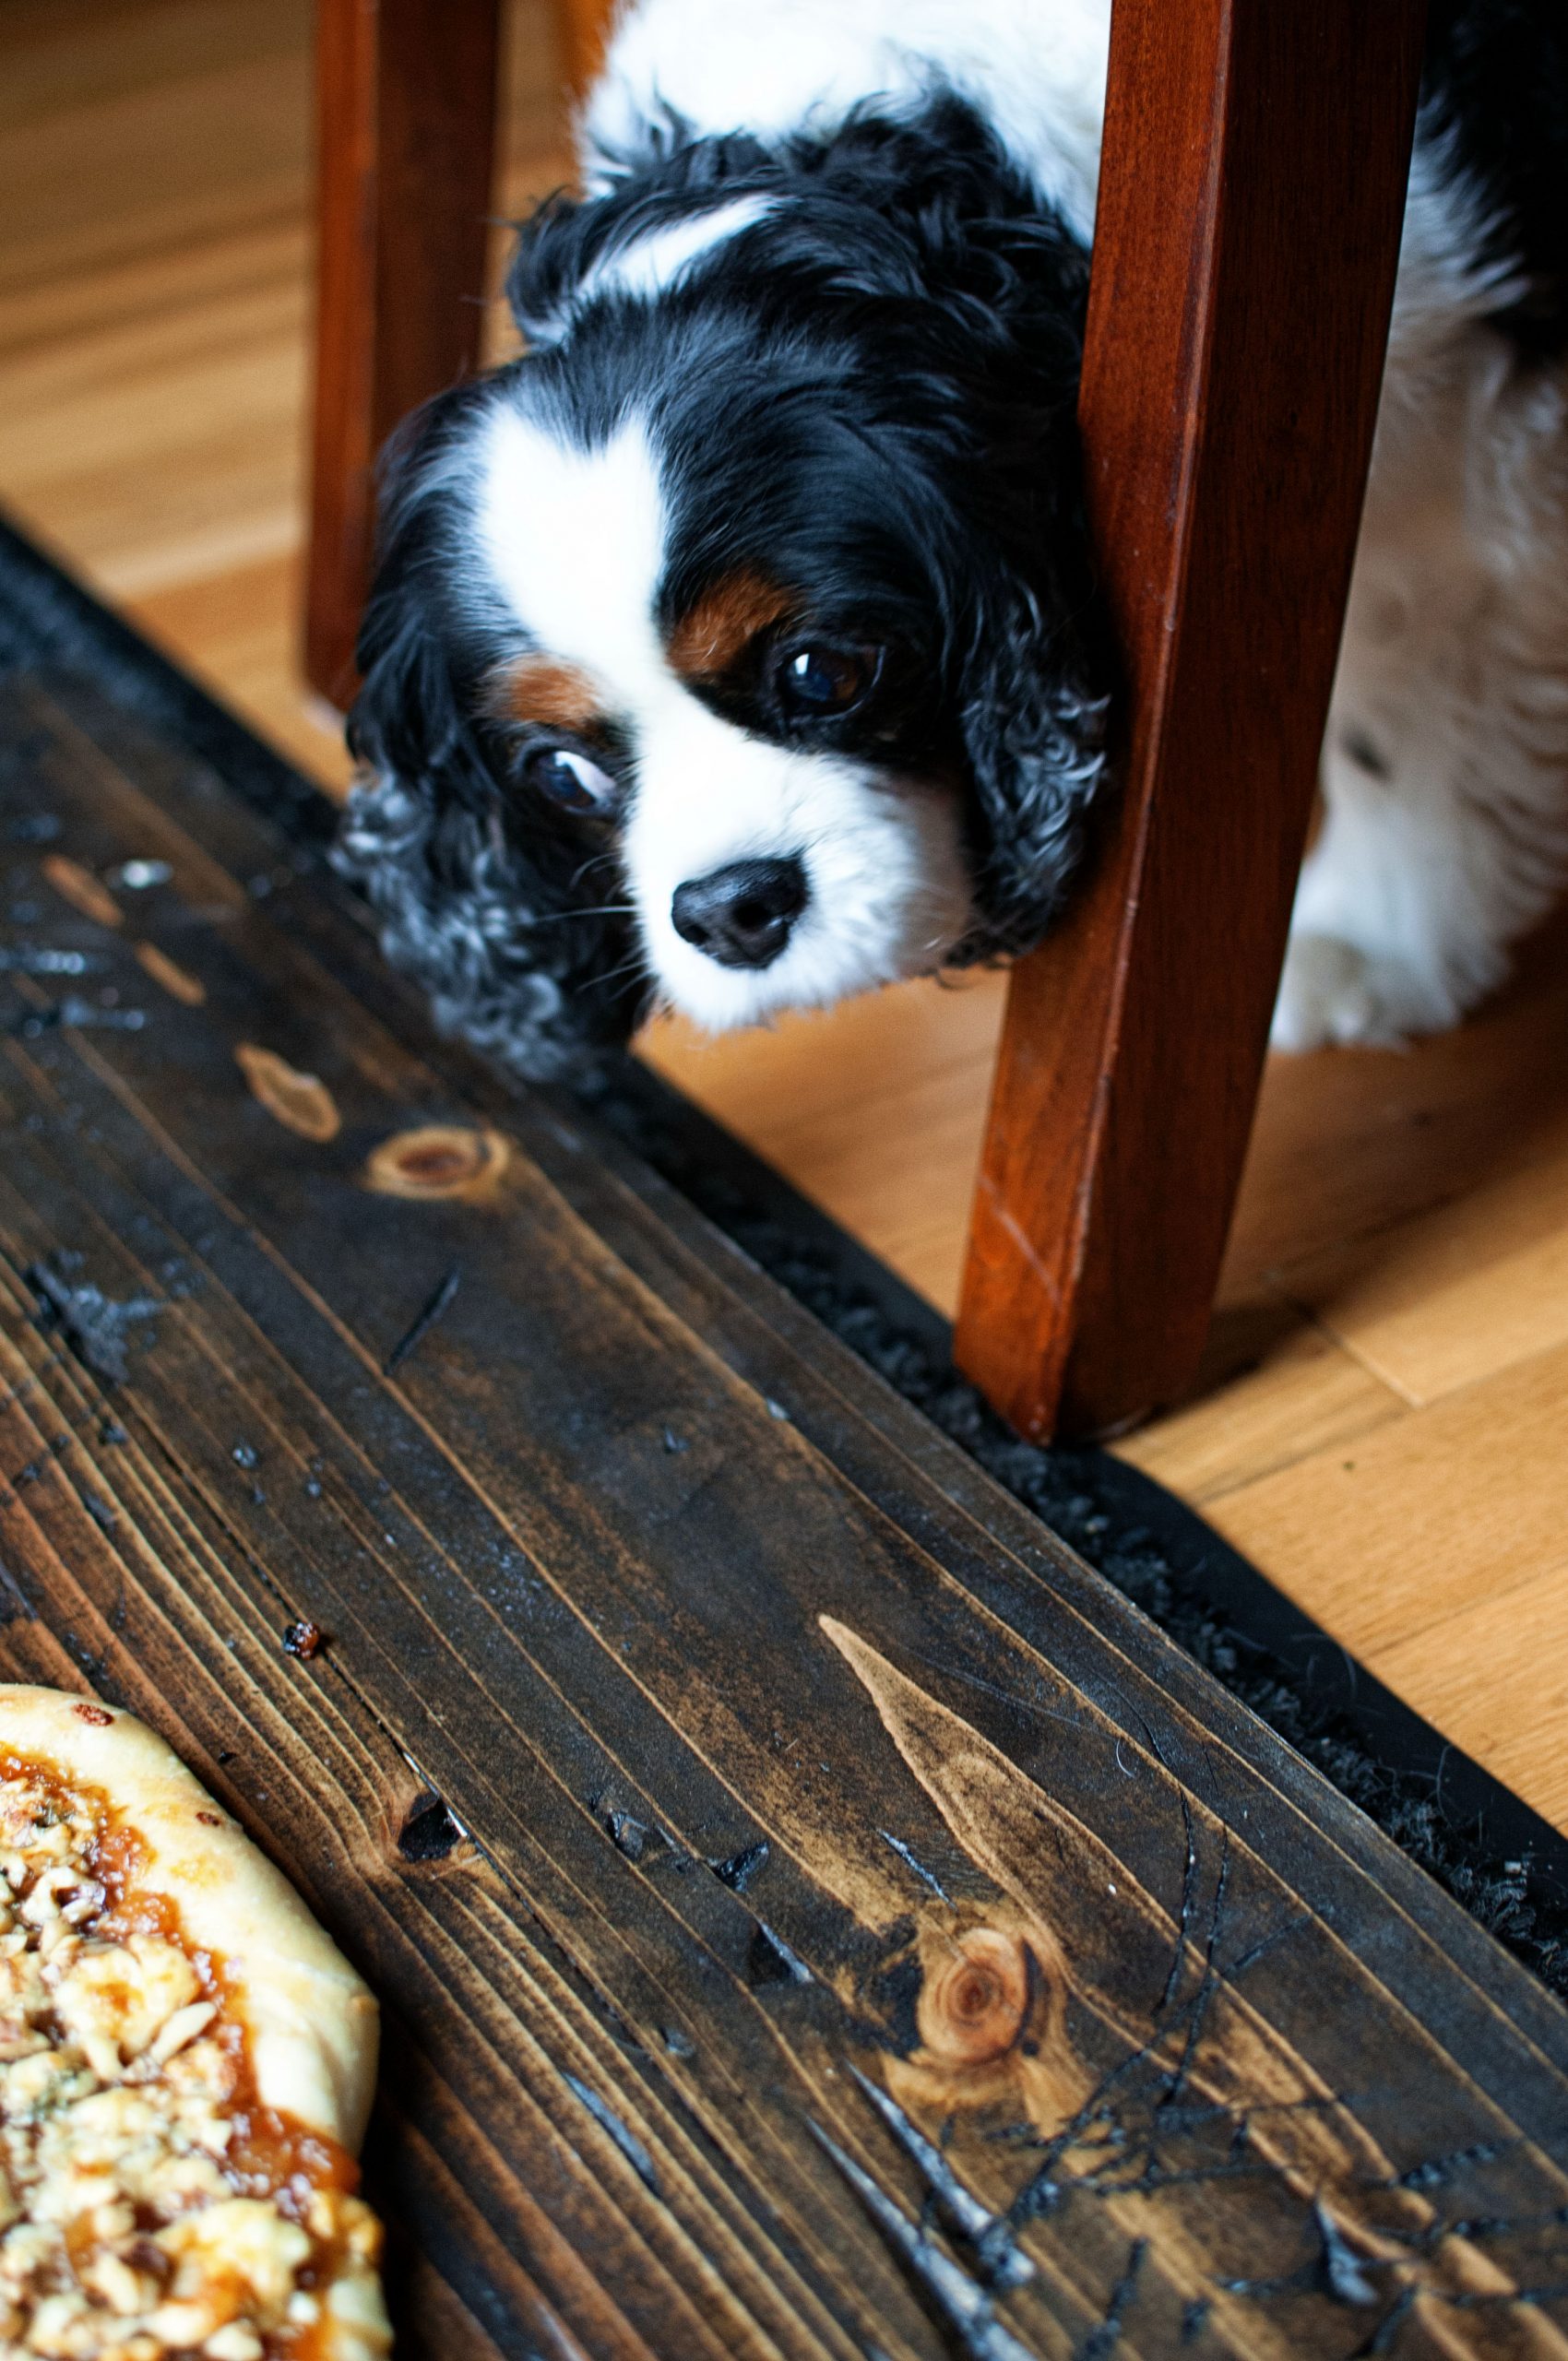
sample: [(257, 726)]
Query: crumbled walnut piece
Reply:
[(115, 2000), (235, 2343)]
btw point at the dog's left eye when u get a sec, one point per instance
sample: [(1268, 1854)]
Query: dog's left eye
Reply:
[(570, 780), (817, 683)]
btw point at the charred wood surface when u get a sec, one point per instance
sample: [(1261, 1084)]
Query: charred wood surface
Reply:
[(814, 1915)]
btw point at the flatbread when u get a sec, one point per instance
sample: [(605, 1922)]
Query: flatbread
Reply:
[(187, 2064)]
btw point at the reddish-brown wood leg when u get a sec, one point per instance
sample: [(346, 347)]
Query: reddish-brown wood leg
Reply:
[(405, 100), (1251, 197)]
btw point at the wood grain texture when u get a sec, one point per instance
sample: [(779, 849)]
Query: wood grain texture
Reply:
[(1251, 196), (1298, 1392), (1397, 1495), (766, 1838), (1476, 1288), (406, 96), (1515, 1715)]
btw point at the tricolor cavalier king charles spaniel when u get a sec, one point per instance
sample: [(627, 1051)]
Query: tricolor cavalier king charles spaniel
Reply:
[(738, 648)]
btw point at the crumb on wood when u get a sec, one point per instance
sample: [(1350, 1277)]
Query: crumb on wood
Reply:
[(303, 1639), (628, 1833), (95, 1326), (739, 1868), (43, 959), (79, 1015)]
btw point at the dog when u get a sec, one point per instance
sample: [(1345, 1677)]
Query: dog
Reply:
[(738, 648)]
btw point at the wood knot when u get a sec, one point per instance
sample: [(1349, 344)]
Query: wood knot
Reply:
[(974, 2005), (437, 1160), (988, 2021), (300, 1102), (429, 1831)]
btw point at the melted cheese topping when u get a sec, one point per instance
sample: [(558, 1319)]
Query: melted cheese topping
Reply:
[(149, 2206)]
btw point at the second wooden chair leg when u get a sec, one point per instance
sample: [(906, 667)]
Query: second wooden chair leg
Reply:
[(406, 94), (1251, 200)]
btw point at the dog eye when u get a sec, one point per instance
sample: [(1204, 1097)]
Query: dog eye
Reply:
[(570, 780), (819, 683)]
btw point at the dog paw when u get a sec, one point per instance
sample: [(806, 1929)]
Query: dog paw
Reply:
[(1330, 991)]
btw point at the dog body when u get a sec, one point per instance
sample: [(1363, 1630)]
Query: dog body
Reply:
[(738, 648)]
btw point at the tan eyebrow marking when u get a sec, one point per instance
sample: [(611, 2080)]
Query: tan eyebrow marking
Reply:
[(551, 694), (711, 635)]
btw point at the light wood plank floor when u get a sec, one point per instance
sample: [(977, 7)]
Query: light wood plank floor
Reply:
[(1383, 1423)]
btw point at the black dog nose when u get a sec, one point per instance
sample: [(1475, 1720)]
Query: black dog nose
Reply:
[(742, 916)]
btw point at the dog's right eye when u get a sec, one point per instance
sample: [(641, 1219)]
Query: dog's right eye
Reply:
[(821, 684), (569, 780)]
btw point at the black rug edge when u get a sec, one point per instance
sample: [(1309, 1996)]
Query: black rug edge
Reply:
[(1500, 1859)]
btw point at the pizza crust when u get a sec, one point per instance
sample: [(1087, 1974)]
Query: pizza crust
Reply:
[(310, 2022)]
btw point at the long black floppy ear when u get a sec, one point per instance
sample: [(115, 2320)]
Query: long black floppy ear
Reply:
[(1034, 734), (1028, 639), (493, 906)]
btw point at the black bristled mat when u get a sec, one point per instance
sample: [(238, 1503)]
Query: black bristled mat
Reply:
[(1499, 1859)]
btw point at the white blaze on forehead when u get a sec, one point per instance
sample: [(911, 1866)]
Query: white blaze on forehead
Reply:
[(574, 540)]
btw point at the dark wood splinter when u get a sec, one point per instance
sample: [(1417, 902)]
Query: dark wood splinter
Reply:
[(415, 1335)]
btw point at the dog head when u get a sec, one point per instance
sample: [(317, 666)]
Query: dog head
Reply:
[(733, 650)]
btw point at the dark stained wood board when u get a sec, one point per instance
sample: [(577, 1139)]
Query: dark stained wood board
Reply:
[(628, 1571)]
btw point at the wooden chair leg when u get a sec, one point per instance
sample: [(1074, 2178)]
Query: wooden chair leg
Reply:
[(406, 102), (1251, 198)]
